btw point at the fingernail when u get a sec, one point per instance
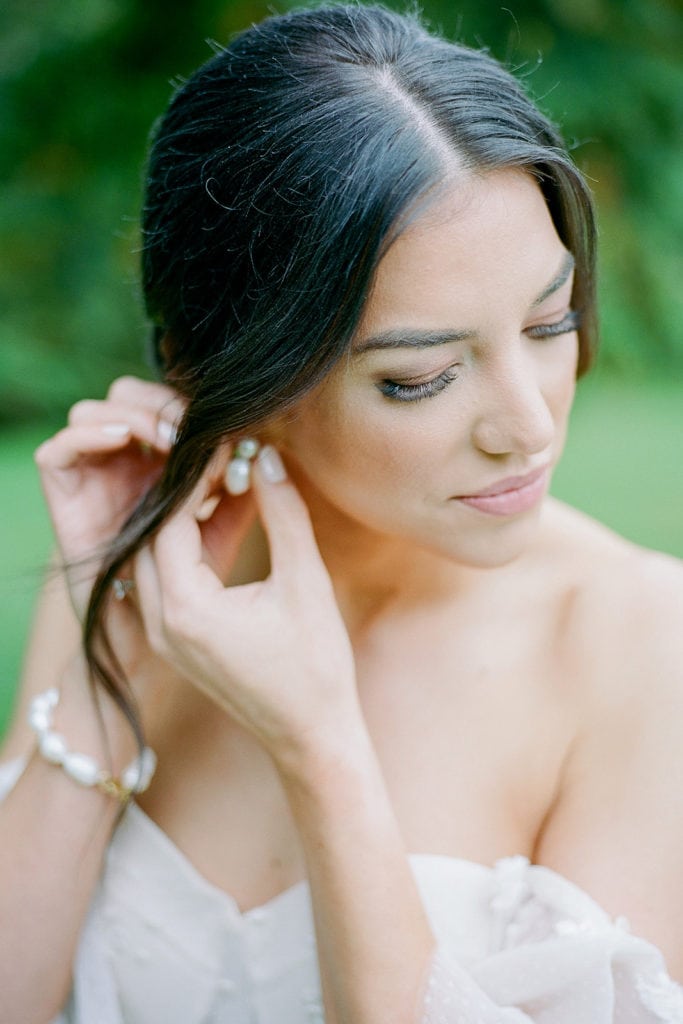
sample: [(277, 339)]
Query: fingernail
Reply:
[(167, 432), (207, 508), (271, 465), (115, 429)]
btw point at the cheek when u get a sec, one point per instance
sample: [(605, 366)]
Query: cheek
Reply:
[(559, 378), (363, 454)]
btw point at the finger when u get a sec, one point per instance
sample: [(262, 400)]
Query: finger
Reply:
[(178, 551), (284, 514), (148, 597), (193, 561), (152, 394), (66, 448), (189, 591), (169, 623), (224, 531), (224, 524), (225, 520), (145, 425), (159, 399)]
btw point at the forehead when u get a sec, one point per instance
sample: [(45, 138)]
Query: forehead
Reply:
[(481, 240)]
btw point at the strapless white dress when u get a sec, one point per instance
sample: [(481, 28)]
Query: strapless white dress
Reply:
[(517, 944)]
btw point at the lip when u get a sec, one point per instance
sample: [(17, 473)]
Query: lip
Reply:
[(512, 495)]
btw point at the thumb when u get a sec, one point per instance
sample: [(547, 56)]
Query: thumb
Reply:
[(284, 514)]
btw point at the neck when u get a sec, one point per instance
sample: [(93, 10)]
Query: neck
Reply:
[(374, 572)]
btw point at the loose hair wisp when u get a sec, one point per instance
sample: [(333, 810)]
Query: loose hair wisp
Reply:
[(281, 172)]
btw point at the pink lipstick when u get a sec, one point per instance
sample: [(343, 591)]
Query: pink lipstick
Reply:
[(510, 496)]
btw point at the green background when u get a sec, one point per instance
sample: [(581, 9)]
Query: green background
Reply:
[(80, 85)]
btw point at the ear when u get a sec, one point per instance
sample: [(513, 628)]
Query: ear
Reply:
[(165, 349), (274, 431)]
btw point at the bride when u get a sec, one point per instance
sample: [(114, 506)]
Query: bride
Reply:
[(416, 724)]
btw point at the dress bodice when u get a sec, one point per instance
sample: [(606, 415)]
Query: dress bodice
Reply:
[(517, 943)]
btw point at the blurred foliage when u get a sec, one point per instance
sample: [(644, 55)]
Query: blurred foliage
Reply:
[(81, 83)]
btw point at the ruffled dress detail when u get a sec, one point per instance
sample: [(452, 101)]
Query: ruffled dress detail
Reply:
[(516, 944)]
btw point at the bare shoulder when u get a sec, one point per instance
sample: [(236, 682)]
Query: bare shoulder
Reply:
[(616, 828), (624, 619), (624, 632)]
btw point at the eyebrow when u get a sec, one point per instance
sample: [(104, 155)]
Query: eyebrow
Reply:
[(411, 338), (398, 338), (565, 271)]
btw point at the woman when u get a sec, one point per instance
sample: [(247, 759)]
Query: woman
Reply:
[(421, 755)]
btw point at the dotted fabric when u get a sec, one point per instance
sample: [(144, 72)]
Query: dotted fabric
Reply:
[(516, 944), (558, 959)]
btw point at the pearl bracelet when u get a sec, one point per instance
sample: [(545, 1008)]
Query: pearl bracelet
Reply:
[(80, 767)]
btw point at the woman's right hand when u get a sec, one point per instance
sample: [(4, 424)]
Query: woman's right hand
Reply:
[(96, 469), (92, 476)]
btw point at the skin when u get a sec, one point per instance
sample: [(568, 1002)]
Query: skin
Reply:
[(385, 472), (519, 645)]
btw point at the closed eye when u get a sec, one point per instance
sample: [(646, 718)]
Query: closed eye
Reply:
[(571, 322), (404, 392), (399, 392)]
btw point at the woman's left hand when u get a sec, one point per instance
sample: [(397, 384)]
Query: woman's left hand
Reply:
[(274, 654)]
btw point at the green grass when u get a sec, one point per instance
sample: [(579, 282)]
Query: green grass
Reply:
[(25, 546), (624, 461), (623, 464)]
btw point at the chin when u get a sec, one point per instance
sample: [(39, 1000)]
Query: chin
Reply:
[(503, 542)]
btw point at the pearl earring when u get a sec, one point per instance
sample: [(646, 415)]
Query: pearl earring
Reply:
[(238, 473)]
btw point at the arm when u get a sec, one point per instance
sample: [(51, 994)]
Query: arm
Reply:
[(586, 970), (54, 639), (276, 657), (377, 955), (54, 832), (374, 940), (617, 828)]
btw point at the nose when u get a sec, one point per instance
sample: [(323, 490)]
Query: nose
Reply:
[(513, 415)]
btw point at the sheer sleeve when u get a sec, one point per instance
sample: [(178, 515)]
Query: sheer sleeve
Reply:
[(558, 958)]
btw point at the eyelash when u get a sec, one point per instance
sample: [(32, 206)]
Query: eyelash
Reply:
[(571, 322), (398, 392), (414, 392)]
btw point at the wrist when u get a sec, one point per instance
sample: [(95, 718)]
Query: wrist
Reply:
[(318, 760), (91, 721), (84, 769)]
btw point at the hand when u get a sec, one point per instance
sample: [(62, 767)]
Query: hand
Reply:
[(95, 469), (274, 654)]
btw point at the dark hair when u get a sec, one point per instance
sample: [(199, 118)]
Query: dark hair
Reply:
[(282, 170)]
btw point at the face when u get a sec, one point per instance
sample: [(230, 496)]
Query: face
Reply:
[(459, 382)]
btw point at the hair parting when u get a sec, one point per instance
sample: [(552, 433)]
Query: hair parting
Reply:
[(281, 172)]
